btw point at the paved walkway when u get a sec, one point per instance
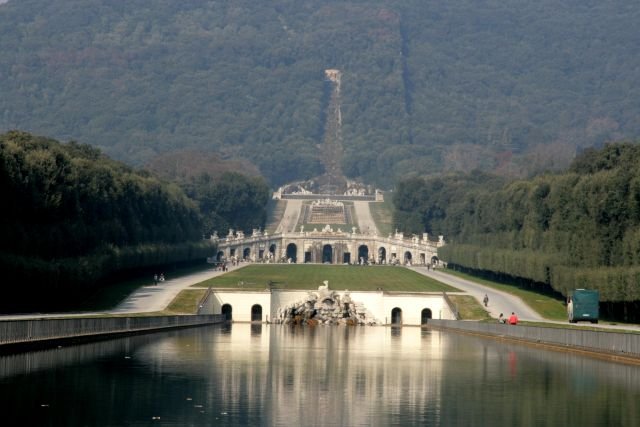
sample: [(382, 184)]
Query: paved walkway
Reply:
[(366, 224), (156, 298), (144, 300), (499, 302), (290, 217)]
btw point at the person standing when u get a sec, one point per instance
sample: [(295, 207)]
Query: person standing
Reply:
[(486, 300), (513, 319), (155, 279)]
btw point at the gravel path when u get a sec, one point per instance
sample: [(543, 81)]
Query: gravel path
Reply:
[(290, 217), (156, 298), (366, 225), (499, 302), (144, 300)]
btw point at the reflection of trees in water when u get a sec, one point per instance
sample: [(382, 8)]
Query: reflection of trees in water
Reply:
[(67, 355)]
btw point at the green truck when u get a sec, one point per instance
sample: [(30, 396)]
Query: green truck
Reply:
[(583, 304)]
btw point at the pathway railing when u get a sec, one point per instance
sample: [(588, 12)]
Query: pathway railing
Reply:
[(203, 304), (615, 343), (40, 330)]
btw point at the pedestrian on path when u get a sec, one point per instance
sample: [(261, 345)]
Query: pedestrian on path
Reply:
[(155, 279), (513, 319), (485, 300)]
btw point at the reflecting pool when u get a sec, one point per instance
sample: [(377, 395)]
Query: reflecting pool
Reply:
[(326, 376)]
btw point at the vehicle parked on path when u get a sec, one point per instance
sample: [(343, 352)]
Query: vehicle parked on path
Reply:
[(583, 304)]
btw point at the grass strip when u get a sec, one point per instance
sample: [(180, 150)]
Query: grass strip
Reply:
[(186, 302), (469, 308), (309, 277), (382, 214)]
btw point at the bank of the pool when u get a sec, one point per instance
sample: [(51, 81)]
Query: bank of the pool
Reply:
[(623, 347), (41, 332)]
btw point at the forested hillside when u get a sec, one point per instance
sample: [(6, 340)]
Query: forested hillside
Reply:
[(577, 229), (510, 86), (72, 217)]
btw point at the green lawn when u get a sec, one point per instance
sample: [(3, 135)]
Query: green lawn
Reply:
[(382, 214), (548, 307), (309, 277)]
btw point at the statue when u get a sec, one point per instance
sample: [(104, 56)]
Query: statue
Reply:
[(323, 291)]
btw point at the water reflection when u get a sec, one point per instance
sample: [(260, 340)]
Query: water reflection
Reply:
[(264, 375)]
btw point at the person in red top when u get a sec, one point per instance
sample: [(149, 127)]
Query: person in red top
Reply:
[(513, 319)]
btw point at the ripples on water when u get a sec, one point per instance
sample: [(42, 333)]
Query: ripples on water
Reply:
[(327, 376)]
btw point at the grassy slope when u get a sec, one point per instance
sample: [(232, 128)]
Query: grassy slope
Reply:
[(310, 277), (186, 302), (382, 214), (469, 308)]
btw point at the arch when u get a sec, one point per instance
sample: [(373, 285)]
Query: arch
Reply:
[(292, 251), (382, 255), (327, 254), (363, 254), (346, 258), (396, 316), (227, 311), (219, 256), (425, 315), (246, 253), (407, 257), (256, 313), (434, 260), (272, 250), (423, 259)]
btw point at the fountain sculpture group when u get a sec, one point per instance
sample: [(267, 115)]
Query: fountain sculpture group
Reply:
[(326, 307)]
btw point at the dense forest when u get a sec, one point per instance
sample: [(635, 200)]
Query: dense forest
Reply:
[(513, 86), (72, 217), (562, 231)]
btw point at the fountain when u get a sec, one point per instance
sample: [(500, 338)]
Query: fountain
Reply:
[(325, 307)]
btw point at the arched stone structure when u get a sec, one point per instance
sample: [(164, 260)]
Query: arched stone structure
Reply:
[(425, 315), (346, 247), (256, 313), (396, 316), (382, 255), (292, 252), (220, 256), (227, 312), (327, 254), (363, 254)]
